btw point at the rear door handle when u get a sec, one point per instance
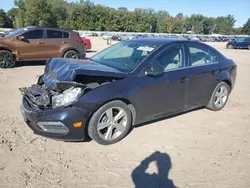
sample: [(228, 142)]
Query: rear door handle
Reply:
[(40, 42), (184, 79), (64, 42)]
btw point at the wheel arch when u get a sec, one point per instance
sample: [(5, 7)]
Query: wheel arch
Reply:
[(228, 82), (224, 76), (126, 101), (5, 48), (230, 43), (68, 49)]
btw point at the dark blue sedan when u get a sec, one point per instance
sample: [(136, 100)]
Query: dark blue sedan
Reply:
[(242, 43), (129, 83)]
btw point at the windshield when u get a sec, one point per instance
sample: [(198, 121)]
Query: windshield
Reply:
[(124, 56), (17, 32)]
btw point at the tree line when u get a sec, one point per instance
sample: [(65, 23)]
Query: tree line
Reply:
[(85, 15)]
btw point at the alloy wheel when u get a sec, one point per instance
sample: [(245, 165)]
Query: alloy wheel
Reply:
[(72, 55), (6, 59), (221, 96), (112, 123), (230, 46)]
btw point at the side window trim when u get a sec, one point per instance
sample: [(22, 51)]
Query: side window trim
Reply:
[(183, 58)]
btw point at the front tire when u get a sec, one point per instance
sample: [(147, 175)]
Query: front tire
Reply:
[(7, 59), (110, 123), (219, 97), (72, 54)]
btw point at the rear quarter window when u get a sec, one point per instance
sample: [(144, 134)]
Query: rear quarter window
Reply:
[(65, 35)]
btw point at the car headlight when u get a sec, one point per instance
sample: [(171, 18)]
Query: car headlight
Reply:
[(67, 98)]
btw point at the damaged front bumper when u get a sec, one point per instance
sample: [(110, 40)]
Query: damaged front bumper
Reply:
[(55, 123)]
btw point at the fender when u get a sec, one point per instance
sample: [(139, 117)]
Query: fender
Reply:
[(4, 46)]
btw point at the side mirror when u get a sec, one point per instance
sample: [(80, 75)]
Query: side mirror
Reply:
[(154, 70), (20, 38)]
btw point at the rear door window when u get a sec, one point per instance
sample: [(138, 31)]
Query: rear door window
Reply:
[(201, 55), (247, 39), (34, 34), (240, 40), (53, 34)]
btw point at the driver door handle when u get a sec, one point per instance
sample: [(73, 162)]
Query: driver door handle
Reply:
[(64, 42), (184, 79), (40, 42)]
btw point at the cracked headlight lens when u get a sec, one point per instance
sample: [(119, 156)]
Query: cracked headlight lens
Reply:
[(67, 98)]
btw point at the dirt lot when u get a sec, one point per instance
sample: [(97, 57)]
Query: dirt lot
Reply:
[(197, 149)]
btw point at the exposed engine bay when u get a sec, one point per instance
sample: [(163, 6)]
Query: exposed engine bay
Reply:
[(40, 95)]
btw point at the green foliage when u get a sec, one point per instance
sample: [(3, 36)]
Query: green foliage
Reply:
[(208, 25), (246, 27), (85, 15), (5, 22), (12, 16), (2, 18), (38, 12), (196, 22), (224, 25)]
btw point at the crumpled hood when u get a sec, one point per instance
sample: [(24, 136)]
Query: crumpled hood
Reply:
[(62, 69)]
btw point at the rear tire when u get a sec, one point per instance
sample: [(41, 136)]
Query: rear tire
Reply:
[(106, 126), (7, 59), (219, 97), (230, 46), (71, 54)]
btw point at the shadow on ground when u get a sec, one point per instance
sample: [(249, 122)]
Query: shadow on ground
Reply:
[(142, 179), (30, 63), (89, 51)]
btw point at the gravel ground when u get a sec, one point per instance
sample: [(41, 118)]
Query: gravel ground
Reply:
[(195, 150)]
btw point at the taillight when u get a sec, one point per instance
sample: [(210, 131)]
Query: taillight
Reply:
[(80, 41)]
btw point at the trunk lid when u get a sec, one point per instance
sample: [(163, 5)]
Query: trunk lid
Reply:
[(62, 69)]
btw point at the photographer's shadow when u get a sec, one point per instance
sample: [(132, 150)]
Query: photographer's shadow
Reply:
[(142, 179)]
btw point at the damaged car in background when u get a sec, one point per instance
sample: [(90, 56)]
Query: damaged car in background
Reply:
[(129, 83)]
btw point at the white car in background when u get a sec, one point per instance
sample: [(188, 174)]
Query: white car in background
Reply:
[(107, 36)]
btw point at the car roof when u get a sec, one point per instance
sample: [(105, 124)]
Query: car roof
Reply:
[(158, 40), (52, 28)]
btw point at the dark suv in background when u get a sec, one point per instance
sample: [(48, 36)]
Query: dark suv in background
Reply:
[(39, 43), (243, 43)]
